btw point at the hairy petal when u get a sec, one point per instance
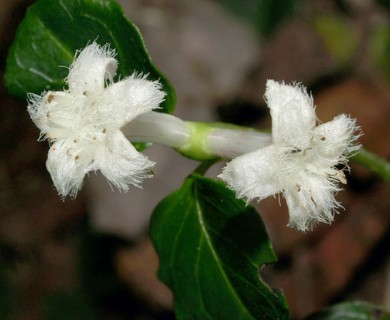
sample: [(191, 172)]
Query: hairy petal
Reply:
[(66, 171), (57, 114), (91, 67), (130, 98), (311, 200), (337, 138), (293, 114), (122, 164), (255, 174)]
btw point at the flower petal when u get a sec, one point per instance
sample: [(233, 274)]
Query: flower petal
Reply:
[(293, 114), (131, 97), (57, 113), (314, 201), (66, 171), (123, 165), (255, 174), (91, 68), (336, 138)]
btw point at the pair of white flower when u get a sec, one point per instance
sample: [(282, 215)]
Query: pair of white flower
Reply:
[(83, 125)]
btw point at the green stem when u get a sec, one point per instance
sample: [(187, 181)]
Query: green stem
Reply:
[(209, 140), (373, 163), (205, 165), (197, 140)]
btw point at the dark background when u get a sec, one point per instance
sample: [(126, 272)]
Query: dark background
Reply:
[(91, 257)]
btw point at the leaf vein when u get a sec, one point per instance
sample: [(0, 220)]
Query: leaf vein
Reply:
[(216, 258), (202, 305), (63, 6), (55, 39), (251, 261), (178, 234)]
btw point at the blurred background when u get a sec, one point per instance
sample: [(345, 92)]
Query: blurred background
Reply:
[(91, 257)]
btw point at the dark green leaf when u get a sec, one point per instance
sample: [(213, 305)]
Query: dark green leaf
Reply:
[(352, 311), (211, 246), (53, 30)]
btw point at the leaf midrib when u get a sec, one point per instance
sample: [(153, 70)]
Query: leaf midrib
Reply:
[(215, 255), (55, 38)]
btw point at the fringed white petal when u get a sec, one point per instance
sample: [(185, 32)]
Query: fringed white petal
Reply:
[(91, 68), (310, 200), (123, 165), (337, 138), (131, 97), (57, 114), (66, 169), (293, 113), (255, 174)]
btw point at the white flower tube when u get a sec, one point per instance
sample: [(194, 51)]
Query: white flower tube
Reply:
[(83, 122), (156, 127), (302, 162)]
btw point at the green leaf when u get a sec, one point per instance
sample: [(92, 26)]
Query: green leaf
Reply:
[(352, 311), (52, 31), (211, 246)]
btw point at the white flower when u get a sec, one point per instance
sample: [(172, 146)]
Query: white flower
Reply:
[(83, 122), (304, 161)]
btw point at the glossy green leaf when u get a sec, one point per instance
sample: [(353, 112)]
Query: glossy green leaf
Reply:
[(211, 246), (352, 311), (53, 30)]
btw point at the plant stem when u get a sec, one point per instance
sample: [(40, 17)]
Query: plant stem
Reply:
[(373, 162), (160, 128), (197, 140), (205, 165), (204, 141)]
